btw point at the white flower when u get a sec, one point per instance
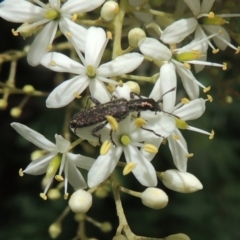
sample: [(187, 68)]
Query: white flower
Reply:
[(50, 15), (177, 31), (50, 164), (90, 73)]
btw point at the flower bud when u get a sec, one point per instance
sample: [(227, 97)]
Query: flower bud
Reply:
[(119, 237), (154, 198), (80, 201), (3, 104), (134, 36), (106, 227), (178, 236), (109, 10), (55, 229), (16, 112), (54, 194), (180, 181)]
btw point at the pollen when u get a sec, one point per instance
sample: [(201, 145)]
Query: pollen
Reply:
[(76, 95), (20, 172), (189, 155), (150, 148), (210, 98), (128, 168), (185, 100), (224, 66), (139, 122), (43, 196), (112, 121), (109, 35), (74, 17), (216, 50), (15, 33), (125, 140), (211, 15), (66, 195), (59, 178), (207, 89), (105, 147), (212, 135)]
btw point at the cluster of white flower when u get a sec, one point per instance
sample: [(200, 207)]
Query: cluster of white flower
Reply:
[(138, 133)]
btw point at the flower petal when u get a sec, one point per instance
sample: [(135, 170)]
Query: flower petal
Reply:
[(65, 92), (21, 11), (41, 43), (154, 49), (120, 65), (194, 5), (206, 6), (80, 160), (103, 167), (144, 170), (73, 6), (55, 4), (61, 143), (34, 137), (177, 31), (99, 91)]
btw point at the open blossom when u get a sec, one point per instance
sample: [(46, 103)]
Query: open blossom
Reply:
[(203, 23), (49, 164), (50, 16), (89, 73)]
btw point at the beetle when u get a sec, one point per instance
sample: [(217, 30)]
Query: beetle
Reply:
[(119, 108)]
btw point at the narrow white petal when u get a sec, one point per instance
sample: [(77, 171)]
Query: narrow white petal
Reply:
[(191, 110), (73, 6), (65, 92), (34, 137), (21, 11), (168, 80), (194, 5), (55, 4), (77, 32), (206, 6), (75, 177), (177, 31), (41, 43), (40, 165), (80, 160), (120, 65), (144, 170), (178, 154), (199, 68), (95, 46), (99, 91), (103, 167), (61, 63), (156, 91), (61, 143), (154, 49)]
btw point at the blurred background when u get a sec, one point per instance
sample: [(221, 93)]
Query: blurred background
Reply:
[(212, 213)]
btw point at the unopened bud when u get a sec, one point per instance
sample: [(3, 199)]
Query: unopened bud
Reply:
[(55, 229), (106, 227), (54, 194), (178, 236), (16, 112), (28, 89), (80, 201), (154, 198), (119, 237), (134, 37), (3, 104), (180, 181), (109, 10)]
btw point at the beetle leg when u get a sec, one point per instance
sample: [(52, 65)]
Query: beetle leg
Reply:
[(94, 100), (98, 128), (132, 94), (150, 130)]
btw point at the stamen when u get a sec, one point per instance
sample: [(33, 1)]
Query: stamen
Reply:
[(211, 15), (112, 121), (238, 50), (74, 17), (109, 35), (224, 66), (43, 196), (105, 147), (150, 148), (185, 100), (52, 63), (139, 122), (207, 89), (77, 95), (210, 98), (15, 33), (215, 50), (212, 135), (20, 172), (66, 196), (187, 65), (189, 155), (128, 168), (59, 178)]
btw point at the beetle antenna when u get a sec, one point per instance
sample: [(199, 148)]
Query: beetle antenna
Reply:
[(172, 89)]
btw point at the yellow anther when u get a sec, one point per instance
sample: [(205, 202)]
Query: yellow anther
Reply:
[(28, 89), (139, 122), (150, 148), (76, 95), (207, 89), (15, 33), (125, 140), (187, 65), (238, 50), (211, 15), (112, 121), (185, 100), (224, 66), (109, 35), (181, 124), (74, 17), (59, 178), (68, 34), (120, 83), (212, 135), (66, 196), (128, 168), (49, 47), (52, 63), (105, 147), (53, 166), (43, 196), (216, 50), (175, 137), (228, 99), (20, 172), (91, 72), (189, 155), (210, 98)]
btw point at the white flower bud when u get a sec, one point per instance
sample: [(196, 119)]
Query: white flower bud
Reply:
[(16, 112), (178, 236), (180, 181), (80, 201), (55, 229), (109, 10), (133, 86), (134, 36), (106, 227), (154, 198)]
